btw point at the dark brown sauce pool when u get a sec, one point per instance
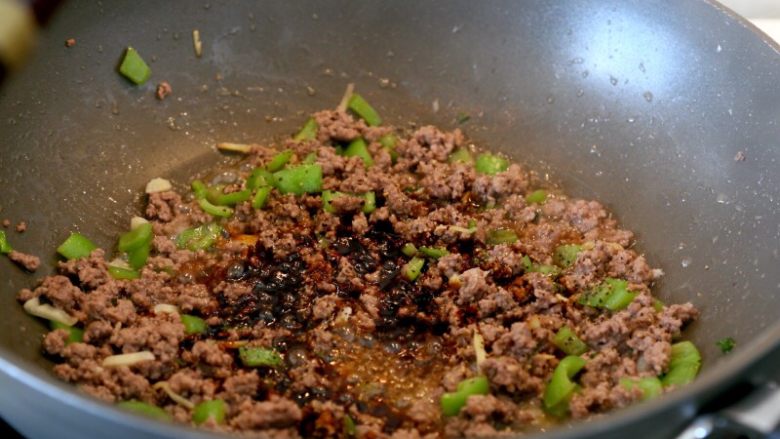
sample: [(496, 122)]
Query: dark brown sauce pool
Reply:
[(383, 373)]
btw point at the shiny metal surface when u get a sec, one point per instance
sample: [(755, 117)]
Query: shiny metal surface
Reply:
[(640, 104)]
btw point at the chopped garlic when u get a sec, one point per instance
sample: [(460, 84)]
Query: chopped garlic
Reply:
[(138, 221), (127, 359), (196, 43), (119, 263), (479, 348), (48, 312), (158, 185), (165, 308), (184, 402), (345, 99), (234, 147)]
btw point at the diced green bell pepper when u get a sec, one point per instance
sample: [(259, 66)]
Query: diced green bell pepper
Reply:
[(75, 335), (299, 179), (144, 409), (257, 356), (364, 110), (358, 148), (76, 246), (134, 68), (308, 132), (561, 387), (684, 364), (213, 409), (491, 164), (567, 341), (536, 197), (193, 324), (279, 160)]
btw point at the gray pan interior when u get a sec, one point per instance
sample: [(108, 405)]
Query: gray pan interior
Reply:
[(640, 104)]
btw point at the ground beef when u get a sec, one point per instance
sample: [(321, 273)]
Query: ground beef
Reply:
[(21, 227), (28, 262), (163, 90), (347, 329)]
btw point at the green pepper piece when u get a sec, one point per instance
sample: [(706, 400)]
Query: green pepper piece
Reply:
[(219, 199), (199, 189), (684, 364), (76, 246), (193, 324), (279, 160), (144, 409), (409, 249), (123, 273), (364, 110), (536, 197), (134, 68), (461, 155), (491, 164), (597, 297), (258, 178), (651, 386), (434, 252), (219, 211), (310, 158), (136, 258), (199, 238), (620, 298), (261, 197), (413, 268), (658, 305), (308, 132), (501, 236), (533, 267), (561, 387), (358, 148), (388, 142), (214, 409), (369, 203), (5, 247), (612, 294), (75, 335), (327, 198), (452, 402), (136, 238), (349, 429), (567, 341), (565, 255), (478, 385), (299, 179), (256, 357)]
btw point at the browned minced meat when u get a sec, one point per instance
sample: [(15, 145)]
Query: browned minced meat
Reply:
[(164, 90), (6, 223), (328, 292), (21, 227), (28, 262), (70, 42)]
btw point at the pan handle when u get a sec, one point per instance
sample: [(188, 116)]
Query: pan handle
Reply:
[(755, 417)]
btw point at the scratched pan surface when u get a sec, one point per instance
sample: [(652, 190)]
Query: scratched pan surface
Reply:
[(640, 104)]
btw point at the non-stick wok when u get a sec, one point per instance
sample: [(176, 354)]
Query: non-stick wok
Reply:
[(642, 104)]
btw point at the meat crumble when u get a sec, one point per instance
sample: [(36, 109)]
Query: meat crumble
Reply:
[(417, 271)]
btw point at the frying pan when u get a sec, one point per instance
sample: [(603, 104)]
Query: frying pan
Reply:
[(640, 104)]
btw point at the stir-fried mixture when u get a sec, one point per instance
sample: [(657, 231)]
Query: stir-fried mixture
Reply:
[(359, 280)]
